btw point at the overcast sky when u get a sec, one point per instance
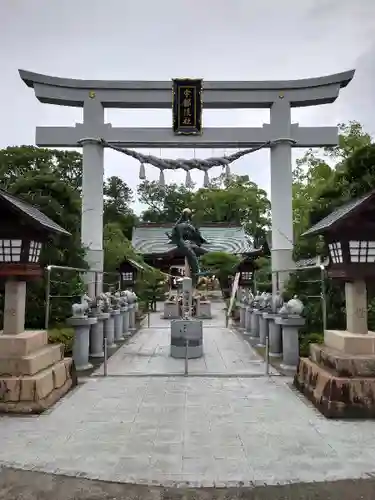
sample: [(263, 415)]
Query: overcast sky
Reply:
[(164, 39)]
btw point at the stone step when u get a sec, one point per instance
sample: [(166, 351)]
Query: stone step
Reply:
[(342, 364), (334, 396), (32, 363), (23, 343)]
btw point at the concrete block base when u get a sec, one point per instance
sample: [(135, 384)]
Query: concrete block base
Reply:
[(33, 374), (333, 395), (203, 310), (36, 393), (171, 310), (186, 330), (350, 343)]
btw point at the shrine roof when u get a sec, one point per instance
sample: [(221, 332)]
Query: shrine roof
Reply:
[(149, 239), (337, 216), (34, 216)]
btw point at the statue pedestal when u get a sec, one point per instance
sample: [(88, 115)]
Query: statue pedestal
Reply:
[(171, 310), (183, 331), (33, 374), (339, 376), (203, 309)]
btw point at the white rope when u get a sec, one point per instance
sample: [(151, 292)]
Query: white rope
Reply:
[(188, 165)]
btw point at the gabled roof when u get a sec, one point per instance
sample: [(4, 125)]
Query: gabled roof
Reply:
[(151, 239), (35, 216), (338, 215)]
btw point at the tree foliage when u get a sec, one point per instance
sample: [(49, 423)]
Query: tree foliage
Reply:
[(233, 200), (321, 184)]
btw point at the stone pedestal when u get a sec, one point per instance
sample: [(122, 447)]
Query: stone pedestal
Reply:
[(171, 310), (248, 312), (97, 336), (132, 318), (339, 376), (255, 323), (125, 322), (33, 374), (263, 330), (203, 309), (81, 341), (242, 308), (274, 333), (290, 327), (190, 330), (109, 330), (118, 337)]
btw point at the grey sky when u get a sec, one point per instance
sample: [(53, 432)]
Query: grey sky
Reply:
[(210, 39)]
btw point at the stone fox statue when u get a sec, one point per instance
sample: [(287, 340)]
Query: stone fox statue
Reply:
[(185, 236)]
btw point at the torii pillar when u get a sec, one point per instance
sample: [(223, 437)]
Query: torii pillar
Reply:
[(278, 96)]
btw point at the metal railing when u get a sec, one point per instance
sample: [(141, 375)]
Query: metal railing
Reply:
[(99, 285)]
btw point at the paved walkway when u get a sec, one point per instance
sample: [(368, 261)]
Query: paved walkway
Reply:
[(243, 428), (225, 352)]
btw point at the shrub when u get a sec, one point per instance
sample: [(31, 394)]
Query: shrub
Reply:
[(306, 340), (62, 335)]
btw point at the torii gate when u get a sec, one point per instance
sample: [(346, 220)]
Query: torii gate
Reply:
[(279, 96)]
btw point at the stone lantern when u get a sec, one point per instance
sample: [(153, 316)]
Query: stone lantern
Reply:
[(339, 376), (34, 375)]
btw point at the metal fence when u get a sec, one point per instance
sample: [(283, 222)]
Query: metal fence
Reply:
[(59, 278)]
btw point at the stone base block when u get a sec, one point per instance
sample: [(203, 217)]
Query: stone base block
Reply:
[(171, 310), (350, 343), (36, 393), (334, 396), (204, 310), (22, 344), (183, 331), (32, 363), (344, 365)]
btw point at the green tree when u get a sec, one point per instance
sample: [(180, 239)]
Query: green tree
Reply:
[(59, 201), (117, 205), (237, 200), (17, 161), (164, 203), (223, 265)]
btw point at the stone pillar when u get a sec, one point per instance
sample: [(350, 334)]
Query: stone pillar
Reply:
[(92, 191), (356, 307), (81, 341), (15, 306), (97, 336), (281, 192)]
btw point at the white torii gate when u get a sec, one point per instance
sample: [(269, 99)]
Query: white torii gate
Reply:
[(96, 95)]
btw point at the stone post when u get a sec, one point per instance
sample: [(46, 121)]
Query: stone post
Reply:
[(81, 341), (118, 326), (14, 307), (97, 336), (281, 192), (248, 311), (109, 329), (263, 329), (255, 329), (356, 307), (125, 323), (275, 345)]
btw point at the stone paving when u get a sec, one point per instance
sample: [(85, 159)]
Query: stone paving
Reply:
[(204, 430), (225, 352)]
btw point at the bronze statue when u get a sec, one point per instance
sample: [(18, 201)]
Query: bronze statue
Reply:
[(188, 239)]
